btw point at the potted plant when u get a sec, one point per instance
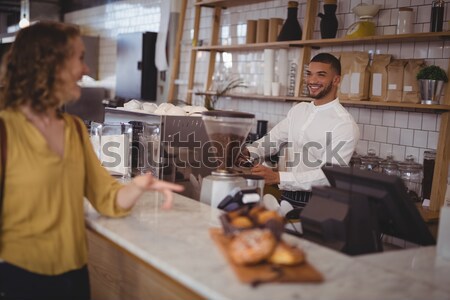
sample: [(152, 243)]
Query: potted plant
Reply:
[(222, 88), (431, 80)]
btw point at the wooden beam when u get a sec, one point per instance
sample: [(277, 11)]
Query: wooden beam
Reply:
[(176, 58), (193, 60)]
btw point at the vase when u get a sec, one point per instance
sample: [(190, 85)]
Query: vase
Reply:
[(430, 90), (328, 22)]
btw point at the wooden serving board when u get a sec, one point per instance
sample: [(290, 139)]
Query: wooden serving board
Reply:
[(265, 272)]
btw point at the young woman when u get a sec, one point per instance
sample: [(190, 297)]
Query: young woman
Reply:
[(50, 167)]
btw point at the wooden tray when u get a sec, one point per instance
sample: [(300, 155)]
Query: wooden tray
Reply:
[(265, 272)]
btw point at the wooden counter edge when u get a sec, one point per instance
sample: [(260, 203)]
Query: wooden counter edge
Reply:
[(115, 273)]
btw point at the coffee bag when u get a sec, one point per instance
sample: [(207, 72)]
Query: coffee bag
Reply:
[(346, 64), (379, 77), (411, 93), (359, 77), (395, 80)]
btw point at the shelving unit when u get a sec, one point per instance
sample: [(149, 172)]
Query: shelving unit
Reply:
[(306, 45), (424, 107)]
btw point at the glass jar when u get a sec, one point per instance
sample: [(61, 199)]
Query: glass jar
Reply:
[(355, 161), (411, 173), (370, 162), (389, 166)]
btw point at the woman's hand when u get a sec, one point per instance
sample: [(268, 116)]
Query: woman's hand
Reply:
[(129, 194), (270, 176), (148, 183)]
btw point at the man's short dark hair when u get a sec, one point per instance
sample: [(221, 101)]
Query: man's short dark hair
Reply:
[(329, 59)]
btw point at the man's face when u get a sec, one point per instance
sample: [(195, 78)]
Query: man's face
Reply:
[(322, 81)]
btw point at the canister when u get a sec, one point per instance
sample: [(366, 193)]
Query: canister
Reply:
[(411, 173), (405, 20)]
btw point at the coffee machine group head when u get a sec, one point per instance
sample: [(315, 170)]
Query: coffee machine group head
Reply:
[(227, 132)]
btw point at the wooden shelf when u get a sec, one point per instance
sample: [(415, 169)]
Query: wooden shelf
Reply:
[(435, 107), (415, 37), (227, 3)]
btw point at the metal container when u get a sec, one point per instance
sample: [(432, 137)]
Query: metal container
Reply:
[(430, 91)]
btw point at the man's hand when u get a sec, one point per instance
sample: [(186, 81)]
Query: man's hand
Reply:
[(243, 160), (270, 176)]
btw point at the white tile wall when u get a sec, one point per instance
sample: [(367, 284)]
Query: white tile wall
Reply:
[(387, 130)]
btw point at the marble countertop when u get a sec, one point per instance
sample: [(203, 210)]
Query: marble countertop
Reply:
[(177, 242)]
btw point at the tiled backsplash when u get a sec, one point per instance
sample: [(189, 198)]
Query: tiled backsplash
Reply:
[(400, 132)]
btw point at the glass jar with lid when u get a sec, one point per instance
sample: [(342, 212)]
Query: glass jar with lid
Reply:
[(411, 173), (370, 161), (355, 161), (389, 166)]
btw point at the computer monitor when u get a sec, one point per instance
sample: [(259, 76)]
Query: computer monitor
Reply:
[(352, 214)]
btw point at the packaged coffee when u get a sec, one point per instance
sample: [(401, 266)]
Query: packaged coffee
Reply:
[(359, 77), (379, 76), (395, 80), (411, 92), (346, 64)]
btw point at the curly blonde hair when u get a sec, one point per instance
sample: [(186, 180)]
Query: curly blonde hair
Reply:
[(31, 68)]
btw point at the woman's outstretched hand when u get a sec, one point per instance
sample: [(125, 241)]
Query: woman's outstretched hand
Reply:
[(149, 183), (130, 193)]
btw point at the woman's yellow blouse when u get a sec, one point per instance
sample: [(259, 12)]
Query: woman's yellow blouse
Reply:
[(42, 222)]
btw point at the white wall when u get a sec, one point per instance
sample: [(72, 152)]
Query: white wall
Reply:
[(401, 131)]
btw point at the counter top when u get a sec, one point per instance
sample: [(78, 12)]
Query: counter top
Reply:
[(177, 243)]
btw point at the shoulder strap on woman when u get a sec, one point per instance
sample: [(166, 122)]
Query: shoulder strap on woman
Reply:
[(3, 160)]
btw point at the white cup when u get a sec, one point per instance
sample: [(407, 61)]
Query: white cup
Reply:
[(275, 89)]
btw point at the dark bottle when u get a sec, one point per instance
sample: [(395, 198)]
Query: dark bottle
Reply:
[(291, 29), (261, 128), (328, 22), (429, 158), (437, 15)]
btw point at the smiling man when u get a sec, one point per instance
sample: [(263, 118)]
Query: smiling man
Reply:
[(316, 133)]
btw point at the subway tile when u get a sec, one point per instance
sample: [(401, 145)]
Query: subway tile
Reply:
[(398, 152), (421, 50), (376, 117), (433, 138), (393, 135), (415, 120), (435, 50), (420, 138), (361, 147), (407, 50), (364, 116), (361, 130), (401, 119), (369, 132), (423, 14), (413, 152), (354, 111), (429, 122), (385, 150), (404, 3), (381, 134), (375, 146), (388, 118), (406, 137)]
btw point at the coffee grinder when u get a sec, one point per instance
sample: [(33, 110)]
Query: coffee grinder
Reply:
[(227, 131)]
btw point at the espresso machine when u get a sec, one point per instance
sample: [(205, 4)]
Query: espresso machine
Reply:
[(227, 131)]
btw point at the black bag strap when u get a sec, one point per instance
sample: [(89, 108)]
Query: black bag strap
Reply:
[(3, 161)]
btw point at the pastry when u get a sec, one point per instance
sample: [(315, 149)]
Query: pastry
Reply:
[(241, 222), (267, 215), (252, 246), (287, 255)]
